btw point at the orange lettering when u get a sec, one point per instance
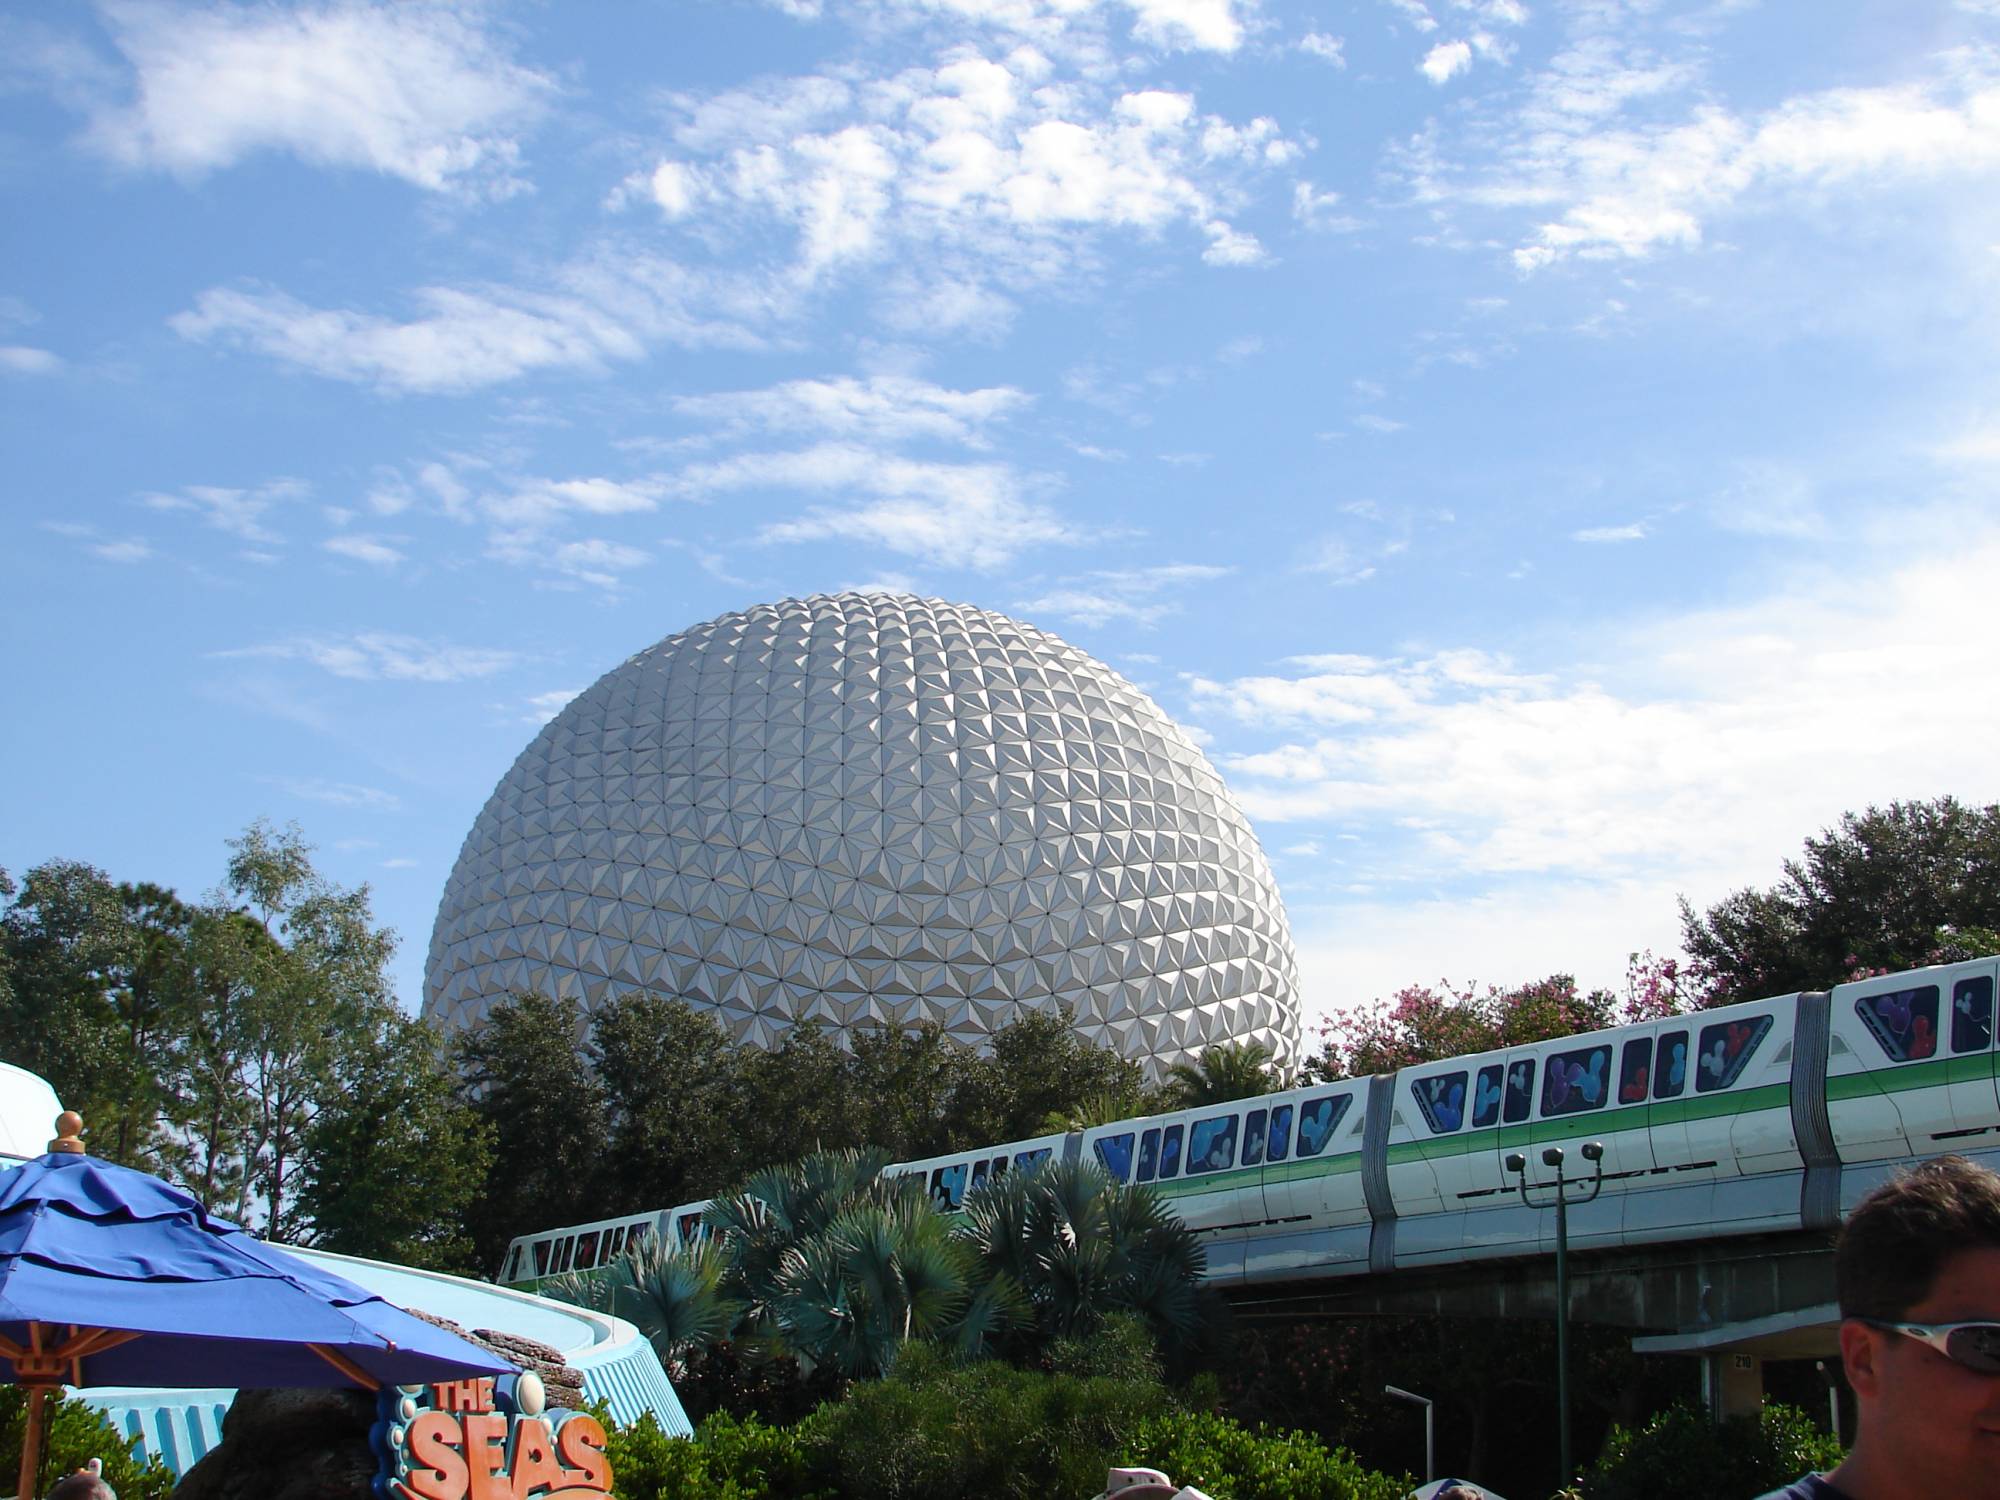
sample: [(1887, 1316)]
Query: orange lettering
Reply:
[(433, 1439), (482, 1394), (485, 1451), (533, 1465), (581, 1439)]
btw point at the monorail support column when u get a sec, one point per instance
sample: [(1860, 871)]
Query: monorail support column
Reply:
[(1732, 1385)]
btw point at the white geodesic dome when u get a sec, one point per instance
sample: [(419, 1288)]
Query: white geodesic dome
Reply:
[(869, 810)]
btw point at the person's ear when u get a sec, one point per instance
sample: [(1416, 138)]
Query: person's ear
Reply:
[(1860, 1358)]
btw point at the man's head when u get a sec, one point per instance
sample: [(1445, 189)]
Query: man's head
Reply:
[(82, 1485), (1924, 1248)]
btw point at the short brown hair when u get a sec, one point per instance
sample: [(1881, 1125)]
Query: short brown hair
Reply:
[(1901, 1234)]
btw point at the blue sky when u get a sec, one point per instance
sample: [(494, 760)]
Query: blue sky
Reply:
[(1545, 451)]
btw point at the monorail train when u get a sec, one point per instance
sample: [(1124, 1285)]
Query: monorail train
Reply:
[(1771, 1115)]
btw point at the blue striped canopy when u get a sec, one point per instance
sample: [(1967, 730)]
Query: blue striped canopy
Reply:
[(149, 1289)]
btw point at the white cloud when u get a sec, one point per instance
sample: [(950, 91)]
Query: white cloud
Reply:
[(545, 706), (1416, 13), (415, 91), (1370, 421), (1631, 531), (1629, 193), (1199, 25), (1326, 48), (125, 550), (337, 793), (596, 561), (377, 656), (20, 359), (534, 503), (373, 550), (464, 339), (1446, 61), (882, 408), (1120, 594), (959, 515), (239, 512), (1677, 758)]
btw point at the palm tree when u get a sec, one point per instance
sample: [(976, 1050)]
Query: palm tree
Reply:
[(1232, 1070), (1080, 1246), (673, 1296)]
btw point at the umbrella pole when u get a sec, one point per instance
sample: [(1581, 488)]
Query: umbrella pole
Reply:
[(31, 1441)]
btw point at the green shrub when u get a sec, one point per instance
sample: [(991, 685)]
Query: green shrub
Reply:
[(1681, 1452), (1232, 1462), (932, 1430), (76, 1434), (726, 1459)]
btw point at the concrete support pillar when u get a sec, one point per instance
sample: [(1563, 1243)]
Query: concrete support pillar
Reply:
[(1732, 1385)]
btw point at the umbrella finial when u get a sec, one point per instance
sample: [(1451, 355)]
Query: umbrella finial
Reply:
[(69, 1133)]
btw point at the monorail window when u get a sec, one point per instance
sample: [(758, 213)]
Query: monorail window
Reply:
[(636, 1240), (690, 1228), (1211, 1144), (563, 1252), (1170, 1152), (1442, 1099), (542, 1248), (1726, 1048), (1670, 1076), (615, 1244), (1000, 1165), (1486, 1096), (1115, 1151), (1317, 1119), (1576, 1081), (948, 1186), (586, 1249), (979, 1170), (1253, 1138), (1635, 1069), (1972, 1015), (1149, 1156), (1281, 1133), (1905, 1022), (1520, 1091), (1027, 1161)]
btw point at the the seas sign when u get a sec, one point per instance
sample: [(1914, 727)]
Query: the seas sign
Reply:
[(486, 1439)]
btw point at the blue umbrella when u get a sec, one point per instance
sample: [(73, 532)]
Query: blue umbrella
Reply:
[(111, 1277)]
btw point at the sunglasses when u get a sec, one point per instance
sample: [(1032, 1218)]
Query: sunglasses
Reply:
[(1974, 1345)]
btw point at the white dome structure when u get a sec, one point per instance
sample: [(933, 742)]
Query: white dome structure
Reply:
[(873, 810)]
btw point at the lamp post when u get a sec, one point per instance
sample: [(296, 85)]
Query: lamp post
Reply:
[(1593, 1152), (1430, 1445)]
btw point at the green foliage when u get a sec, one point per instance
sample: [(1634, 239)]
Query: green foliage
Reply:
[(1079, 1247), (1233, 1462), (668, 1076), (1681, 1452), (1422, 1024), (395, 1158), (74, 1435), (1233, 1070), (934, 1429), (726, 1459), (1891, 888), (545, 1109)]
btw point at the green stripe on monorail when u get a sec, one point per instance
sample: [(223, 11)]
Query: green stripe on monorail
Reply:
[(1618, 1121), (1899, 1078)]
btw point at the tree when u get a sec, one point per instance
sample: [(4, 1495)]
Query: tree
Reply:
[(68, 948), (316, 984), (394, 1158), (1038, 1067), (1232, 1070), (1891, 888), (668, 1076), (903, 1082), (797, 1098), (1422, 1024), (529, 1084)]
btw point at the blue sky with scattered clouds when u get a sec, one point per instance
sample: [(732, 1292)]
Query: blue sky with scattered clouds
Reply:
[(1545, 449)]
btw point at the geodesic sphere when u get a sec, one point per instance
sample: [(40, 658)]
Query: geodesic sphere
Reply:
[(873, 810)]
